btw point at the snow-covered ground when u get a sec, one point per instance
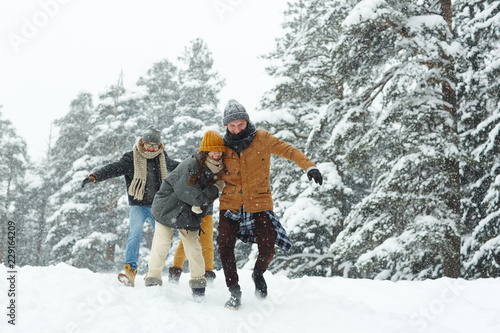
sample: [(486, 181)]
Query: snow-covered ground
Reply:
[(65, 299)]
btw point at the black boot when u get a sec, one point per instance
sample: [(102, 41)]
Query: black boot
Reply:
[(198, 287), (210, 276), (174, 274), (260, 285), (234, 301), (198, 294)]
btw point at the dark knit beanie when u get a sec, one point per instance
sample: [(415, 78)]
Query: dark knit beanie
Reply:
[(151, 134), (234, 111)]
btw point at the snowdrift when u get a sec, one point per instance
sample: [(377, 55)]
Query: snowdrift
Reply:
[(65, 299)]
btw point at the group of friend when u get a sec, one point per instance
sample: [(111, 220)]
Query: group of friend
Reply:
[(180, 195)]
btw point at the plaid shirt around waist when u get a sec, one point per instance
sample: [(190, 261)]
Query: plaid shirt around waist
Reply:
[(247, 224)]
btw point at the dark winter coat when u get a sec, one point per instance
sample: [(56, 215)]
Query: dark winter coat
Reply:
[(173, 202), (125, 167)]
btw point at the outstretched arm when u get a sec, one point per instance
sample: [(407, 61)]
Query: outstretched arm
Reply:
[(119, 168), (286, 150)]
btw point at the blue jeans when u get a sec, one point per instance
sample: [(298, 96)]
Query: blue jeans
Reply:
[(138, 215)]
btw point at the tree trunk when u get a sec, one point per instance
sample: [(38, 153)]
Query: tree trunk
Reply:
[(451, 254), (110, 252), (39, 237)]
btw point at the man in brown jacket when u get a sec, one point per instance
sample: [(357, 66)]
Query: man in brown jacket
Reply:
[(246, 201)]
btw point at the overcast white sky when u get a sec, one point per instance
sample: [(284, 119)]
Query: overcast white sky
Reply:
[(53, 49)]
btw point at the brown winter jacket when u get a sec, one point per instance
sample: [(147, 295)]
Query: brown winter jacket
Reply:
[(247, 178)]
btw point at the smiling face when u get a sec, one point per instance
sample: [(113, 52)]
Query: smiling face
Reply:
[(215, 155), (151, 146), (237, 126)]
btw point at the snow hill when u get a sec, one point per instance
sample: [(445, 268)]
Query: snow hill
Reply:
[(65, 299)]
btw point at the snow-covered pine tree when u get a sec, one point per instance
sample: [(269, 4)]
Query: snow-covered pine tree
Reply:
[(94, 221), (73, 133), (39, 189), (160, 95), (66, 216), (115, 132), (478, 26), (158, 103), (196, 109), (41, 185), (408, 227), (296, 107), (13, 166)]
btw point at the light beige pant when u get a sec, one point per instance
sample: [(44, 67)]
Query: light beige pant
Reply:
[(161, 245)]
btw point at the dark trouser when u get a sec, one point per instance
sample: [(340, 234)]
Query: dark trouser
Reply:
[(264, 234)]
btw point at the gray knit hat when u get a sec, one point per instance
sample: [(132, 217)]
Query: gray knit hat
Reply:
[(151, 134), (234, 111)]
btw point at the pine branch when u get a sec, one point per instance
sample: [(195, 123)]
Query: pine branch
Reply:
[(379, 87), (315, 259)]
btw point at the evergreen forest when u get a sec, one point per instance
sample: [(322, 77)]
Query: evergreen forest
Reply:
[(397, 102)]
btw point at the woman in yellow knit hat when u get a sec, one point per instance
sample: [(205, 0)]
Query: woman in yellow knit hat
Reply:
[(212, 140), (184, 198)]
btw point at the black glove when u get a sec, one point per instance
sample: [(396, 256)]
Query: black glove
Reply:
[(314, 173), (206, 177), (88, 180)]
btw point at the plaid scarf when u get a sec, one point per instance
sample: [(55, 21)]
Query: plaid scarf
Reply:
[(247, 224)]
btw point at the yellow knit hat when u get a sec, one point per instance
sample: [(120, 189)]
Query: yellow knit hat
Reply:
[(212, 141)]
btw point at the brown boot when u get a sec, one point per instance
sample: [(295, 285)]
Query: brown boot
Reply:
[(174, 274), (128, 278)]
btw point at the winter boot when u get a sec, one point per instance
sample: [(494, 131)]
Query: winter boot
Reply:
[(128, 278), (260, 285), (198, 294), (174, 274), (198, 287), (210, 276), (234, 301), (151, 281)]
